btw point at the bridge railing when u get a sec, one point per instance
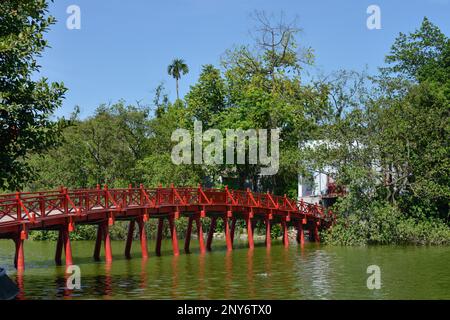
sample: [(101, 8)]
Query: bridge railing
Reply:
[(30, 206)]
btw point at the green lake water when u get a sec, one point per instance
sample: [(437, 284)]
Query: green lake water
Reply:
[(314, 272)]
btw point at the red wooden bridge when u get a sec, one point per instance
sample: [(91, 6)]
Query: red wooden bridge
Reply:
[(63, 209)]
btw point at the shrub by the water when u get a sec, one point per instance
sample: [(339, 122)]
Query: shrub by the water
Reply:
[(382, 223)]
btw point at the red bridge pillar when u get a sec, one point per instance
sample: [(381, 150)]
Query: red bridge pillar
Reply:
[(103, 234), (63, 242), (268, 236), (199, 234), (227, 233), (19, 258), (285, 232), (251, 244), (143, 237), (107, 242), (173, 233), (67, 246)]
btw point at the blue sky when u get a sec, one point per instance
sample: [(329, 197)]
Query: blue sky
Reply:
[(123, 47)]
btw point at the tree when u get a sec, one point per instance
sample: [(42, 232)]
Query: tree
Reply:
[(175, 69), (390, 149), (417, 54), (26, 105), (264, 90), (104, 148), (160, 100), (206, 98)]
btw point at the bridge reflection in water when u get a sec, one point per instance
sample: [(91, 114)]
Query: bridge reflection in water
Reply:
[(311, 272)]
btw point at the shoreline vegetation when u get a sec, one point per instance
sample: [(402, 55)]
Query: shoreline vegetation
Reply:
[(385, 136), (380, 230)]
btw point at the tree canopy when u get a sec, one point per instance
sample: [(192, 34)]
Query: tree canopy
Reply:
[(26, 105)]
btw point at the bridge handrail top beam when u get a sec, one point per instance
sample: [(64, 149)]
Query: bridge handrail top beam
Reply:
[(236, 194)]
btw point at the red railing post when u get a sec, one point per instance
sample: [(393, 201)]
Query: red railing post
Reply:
[(65, 201), (41, 205)]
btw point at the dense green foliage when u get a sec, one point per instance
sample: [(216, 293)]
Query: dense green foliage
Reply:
[(392, 151), (385, 137), (25, 104)]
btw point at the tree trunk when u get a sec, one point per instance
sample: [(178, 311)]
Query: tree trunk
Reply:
[(176, 80)]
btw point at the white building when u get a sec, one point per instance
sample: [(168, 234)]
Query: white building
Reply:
[(311, 189)]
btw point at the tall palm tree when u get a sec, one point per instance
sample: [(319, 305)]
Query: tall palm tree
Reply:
[(176, 68)]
